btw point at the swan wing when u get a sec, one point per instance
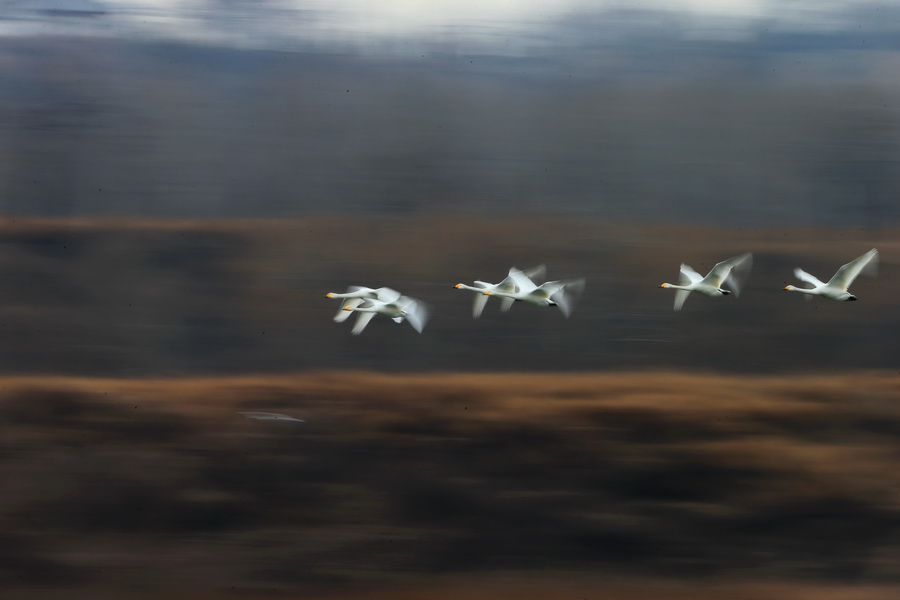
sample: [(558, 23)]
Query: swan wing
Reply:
[(680, 297), (868, 262), (522, 281), (568, 295), (687, 275), (545, 290), (811, 279), (417, 313), (362, 320), (505, 303), (386, 294), (507, 286), (735, 269), (342, 315), (537, 272), (478, 304)]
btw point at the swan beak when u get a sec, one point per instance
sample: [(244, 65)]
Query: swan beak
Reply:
[(328, 295), (347, 308), (457, 285), (662, 285), (787, 288), (487, 293)]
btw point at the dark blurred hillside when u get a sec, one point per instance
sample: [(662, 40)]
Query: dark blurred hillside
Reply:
[(128, 298), (143, 488)]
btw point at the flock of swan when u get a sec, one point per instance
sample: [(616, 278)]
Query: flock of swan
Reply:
[(519, 286)]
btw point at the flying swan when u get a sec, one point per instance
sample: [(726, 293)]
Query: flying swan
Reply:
[(507, 285), (355, 295), (552, 293), (403, 308), (836, 288), (732, 271)]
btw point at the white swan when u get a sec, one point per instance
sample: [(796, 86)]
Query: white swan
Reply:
[(403, 308), (732, 271), (507, 285), (836, 288), (356, 294), (552, 293)]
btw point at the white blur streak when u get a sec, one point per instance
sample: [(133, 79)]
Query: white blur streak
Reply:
[(409, 27), (267, 416)]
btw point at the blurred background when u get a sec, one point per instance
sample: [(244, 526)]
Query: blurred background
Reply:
[(422, 146), (182, 182)]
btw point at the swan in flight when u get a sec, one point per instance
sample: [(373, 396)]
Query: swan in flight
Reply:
[(836, 288), (732, 271), (560, 293), (403, 308), (356, 295), (507, 285)]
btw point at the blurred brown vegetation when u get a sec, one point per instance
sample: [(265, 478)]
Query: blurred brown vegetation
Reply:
[(148, 487), (118, 297)]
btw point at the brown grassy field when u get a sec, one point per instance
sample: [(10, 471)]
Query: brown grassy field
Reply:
[(632, 485)]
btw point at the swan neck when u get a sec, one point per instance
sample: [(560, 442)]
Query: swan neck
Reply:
[(792, 288)]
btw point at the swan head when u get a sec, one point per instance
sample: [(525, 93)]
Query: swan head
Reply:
[(329, 295), (662, 285)]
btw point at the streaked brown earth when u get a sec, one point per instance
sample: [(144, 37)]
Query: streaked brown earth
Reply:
[(628, 485)]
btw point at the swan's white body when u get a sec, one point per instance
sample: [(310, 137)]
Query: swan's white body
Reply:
[(403, 308), (836, 288), (507, 285), (732, 271), (356, 295), (552, 293)]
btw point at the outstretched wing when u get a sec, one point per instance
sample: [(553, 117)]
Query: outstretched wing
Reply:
[(680, 297), (342, 315), (545, 290), (416, 313), (868, 262), (811, 279), (386, 294), (687, 275), (478, 304), (507, 286), (568, 295), (735, 270), (362, 320), (522, 281), (537, 272)]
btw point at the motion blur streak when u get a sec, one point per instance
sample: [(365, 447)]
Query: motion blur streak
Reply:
[(609, 112), (115, 486), (182, 181)]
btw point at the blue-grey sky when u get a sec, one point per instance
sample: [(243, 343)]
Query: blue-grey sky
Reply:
[(505, 27)]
